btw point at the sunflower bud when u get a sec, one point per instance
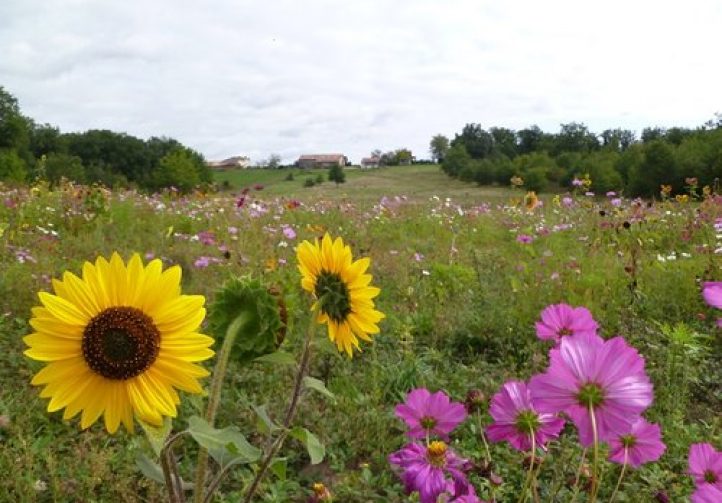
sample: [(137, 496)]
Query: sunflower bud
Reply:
[(255, 314)]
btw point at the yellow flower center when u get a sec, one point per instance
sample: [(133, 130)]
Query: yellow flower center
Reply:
[(333, 296), (436, 453), (120, 343)]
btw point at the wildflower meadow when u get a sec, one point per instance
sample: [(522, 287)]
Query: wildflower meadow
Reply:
[(362, 343)]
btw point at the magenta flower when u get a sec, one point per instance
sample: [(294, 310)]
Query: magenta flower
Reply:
[(606, 377), (430, 413), (516, 419), (432, 470), (712, 294), (705, 465), (559, 320), (707, 494), (288, 232), (643, 444), (524, 239)]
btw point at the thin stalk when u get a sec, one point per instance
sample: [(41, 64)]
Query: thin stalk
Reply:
[(621, 476), (483, 437), (530, 475), (170, 470), (290, 412), (535, 480), (214, 399), (595, 462)]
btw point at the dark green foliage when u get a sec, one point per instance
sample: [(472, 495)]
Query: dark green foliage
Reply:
[(457, 159), (336, 174), (12, 166), (439, 146), (256, 316), (308, 182), (477, 142), (58, 166), (658, 167)]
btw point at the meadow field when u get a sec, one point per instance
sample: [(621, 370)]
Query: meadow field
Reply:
[(464, 273)]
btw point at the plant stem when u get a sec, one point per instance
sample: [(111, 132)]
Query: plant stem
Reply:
[(595, 462), (170, 470), (167, 475), (483, 437), (530, 475), (621, 476), (290, 412), (214, 399)]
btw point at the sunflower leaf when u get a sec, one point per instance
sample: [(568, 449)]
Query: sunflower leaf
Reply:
[(157, 435), (318, 385), (226, 446), (315, 448), (264, 424), (149, 468)]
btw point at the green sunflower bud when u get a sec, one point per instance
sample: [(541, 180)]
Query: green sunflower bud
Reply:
[(255, 314)]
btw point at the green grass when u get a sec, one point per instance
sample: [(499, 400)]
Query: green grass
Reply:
[(460, 317), (362, 185)]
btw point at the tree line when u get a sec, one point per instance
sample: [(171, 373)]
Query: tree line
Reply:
[(614, 160), (29, 150)]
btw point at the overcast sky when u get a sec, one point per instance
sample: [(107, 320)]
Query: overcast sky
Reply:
[(251, 77)]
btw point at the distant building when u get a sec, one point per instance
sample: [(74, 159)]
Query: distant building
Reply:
[(371, 162), (237, 162), (321, 160)]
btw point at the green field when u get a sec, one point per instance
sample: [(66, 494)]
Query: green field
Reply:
[(362, 185), (464, 273)]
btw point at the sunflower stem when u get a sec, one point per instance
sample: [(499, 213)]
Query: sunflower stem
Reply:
[(290, 412), (214, 399), (167, 475), (621, 476), (170, 470), (595, 462)]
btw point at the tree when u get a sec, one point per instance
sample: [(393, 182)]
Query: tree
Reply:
[(59, 165), (529, 139), (478, 143), (177, 169), (274, 161), (12, 166), (659, 167), (336, 174), (438, 147), (504, 141), (574, 137), (617, 139), (456, 160), (14, 128)]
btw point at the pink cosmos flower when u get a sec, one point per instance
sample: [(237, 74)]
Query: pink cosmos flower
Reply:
[(643, 444), (432, 470), (559, 320), (516, 419), (712, 294), (428, 413), (586, 373), (707, 494), (288, 232), (705, 465), (568, 202), (524, 239)]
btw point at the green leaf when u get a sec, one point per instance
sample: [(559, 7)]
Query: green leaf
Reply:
[(315, 448), (149, 468), (278, 468), (318, 385), (157, 435), (264, 423), (226, 446), (277, 358)]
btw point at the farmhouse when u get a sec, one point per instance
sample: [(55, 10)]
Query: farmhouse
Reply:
[(236, 162), (321, 160), (371, 162)]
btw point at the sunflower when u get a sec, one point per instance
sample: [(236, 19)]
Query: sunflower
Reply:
[(345, 299), (118, 343)]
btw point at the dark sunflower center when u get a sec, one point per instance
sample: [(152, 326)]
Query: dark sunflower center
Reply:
[(120, 343), (590, 395), (333, 295), (527, 421)]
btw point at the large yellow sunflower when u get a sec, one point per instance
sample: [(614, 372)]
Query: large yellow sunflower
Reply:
[(345, 299), (118, 342)]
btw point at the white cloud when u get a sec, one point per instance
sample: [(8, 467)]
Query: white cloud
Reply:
[(250, 77)]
